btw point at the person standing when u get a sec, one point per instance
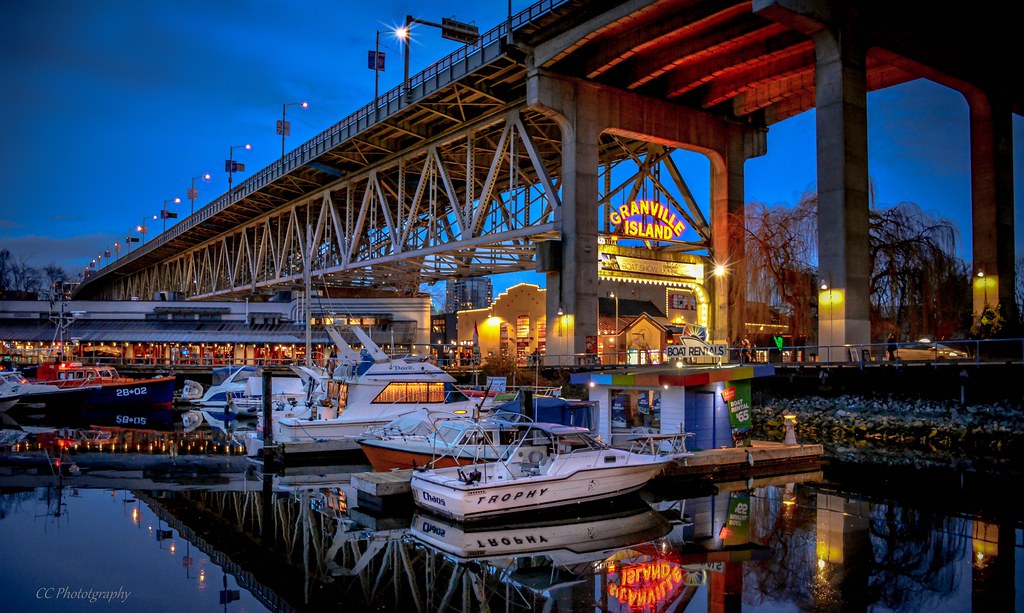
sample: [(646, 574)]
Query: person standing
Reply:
[(891, 348)]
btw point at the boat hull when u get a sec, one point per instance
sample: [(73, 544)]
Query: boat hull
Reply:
[(442, 492), (385, 456), (10, 401), (56, 397), (140, 393)]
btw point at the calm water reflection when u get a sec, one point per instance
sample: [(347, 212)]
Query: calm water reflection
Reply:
[(154, 532)]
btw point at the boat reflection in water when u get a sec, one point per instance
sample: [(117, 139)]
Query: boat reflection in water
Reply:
[(566, 541)]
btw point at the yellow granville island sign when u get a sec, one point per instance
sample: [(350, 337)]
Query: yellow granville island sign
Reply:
[(647, 219)]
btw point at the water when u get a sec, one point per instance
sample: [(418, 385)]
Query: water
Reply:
[(152, 530)]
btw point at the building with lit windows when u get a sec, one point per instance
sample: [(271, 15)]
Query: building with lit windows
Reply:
[(209, 333), (470, 293)]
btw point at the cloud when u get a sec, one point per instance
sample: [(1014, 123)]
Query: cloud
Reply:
[(71, 254)]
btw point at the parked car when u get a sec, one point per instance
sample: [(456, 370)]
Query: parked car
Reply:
[(926, 349)]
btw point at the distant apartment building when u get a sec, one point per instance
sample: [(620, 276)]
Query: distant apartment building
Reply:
[(473, 293)]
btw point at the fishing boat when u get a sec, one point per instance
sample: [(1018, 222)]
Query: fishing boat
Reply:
[(108, 387), (550, 465)]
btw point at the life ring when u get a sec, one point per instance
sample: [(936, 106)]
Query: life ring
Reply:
[(535, 457)]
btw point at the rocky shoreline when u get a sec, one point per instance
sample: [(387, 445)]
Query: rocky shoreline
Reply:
[(906, 433)]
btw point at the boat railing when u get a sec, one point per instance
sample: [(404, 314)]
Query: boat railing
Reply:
[(656, 444)]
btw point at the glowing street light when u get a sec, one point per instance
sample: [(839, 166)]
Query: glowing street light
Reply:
[(142, 230), (450, 29), (984, 288), (616, 334), (165, 214), (231, 166), (828, 303), (193, 193), (284, 126)]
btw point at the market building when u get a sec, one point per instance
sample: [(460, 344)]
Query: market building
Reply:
[(207, 333)]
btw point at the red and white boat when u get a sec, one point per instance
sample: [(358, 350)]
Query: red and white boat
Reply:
[(109, 388)]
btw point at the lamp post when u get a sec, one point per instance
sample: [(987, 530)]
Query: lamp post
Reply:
[(117, 251), (450, 29), (231, 166), (283, 127), (141, 229), (165, 214), (984, 288), (193, 194), (616, 332), (828, 303)]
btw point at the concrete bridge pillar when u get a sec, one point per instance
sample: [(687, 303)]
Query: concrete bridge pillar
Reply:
[(993, 275), (572, 291), (844, 307)]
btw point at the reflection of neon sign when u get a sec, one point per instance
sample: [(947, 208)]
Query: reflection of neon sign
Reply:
[(646, 583), (647, 219)]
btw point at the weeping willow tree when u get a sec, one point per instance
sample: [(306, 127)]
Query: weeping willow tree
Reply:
[(782, 251), (917, 285)]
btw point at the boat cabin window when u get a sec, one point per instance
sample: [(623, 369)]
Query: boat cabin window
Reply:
[(337, 392), (410, 393)]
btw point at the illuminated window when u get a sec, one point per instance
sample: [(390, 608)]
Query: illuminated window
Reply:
[(409, 393), (523, 326)]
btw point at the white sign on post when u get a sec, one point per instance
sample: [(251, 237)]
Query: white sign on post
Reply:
[(497, 384)]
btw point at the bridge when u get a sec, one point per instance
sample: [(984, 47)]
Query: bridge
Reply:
[(517, 152)]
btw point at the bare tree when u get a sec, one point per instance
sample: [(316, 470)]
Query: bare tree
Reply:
[(917, 285), (52, 278), (782, 252), (24, 278)]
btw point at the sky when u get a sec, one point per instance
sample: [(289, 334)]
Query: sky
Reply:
[(113, 107)]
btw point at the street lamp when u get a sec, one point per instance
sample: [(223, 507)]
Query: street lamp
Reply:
[(984, 288), (231, 166), (117, 251), (450, 29), (828, 303), (141, 229), (283, 126), (616, 334), (165, 214), (193, 193)]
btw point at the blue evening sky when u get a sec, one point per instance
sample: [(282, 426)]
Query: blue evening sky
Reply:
[(112, 107)]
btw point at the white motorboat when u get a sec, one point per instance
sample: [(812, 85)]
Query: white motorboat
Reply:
[(11, 384), (550, 466), (227, 381), (242, 388), (367, 390)]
